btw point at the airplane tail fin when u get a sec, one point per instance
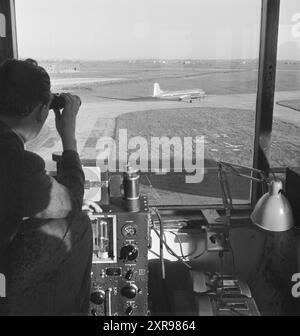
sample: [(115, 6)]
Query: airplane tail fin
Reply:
[(157, 90)]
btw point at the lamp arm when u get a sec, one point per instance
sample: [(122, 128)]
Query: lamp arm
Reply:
[(275, 216), (235, 169), (225, 189)]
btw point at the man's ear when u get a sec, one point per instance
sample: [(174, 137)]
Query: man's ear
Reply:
[(41, 113)]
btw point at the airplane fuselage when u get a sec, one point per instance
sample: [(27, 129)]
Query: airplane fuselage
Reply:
[(180, 95)]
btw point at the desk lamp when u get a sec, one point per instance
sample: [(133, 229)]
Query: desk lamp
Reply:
[(273, 211)]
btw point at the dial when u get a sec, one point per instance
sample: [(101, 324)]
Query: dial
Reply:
[(98, 297), (129, 252), (129, 291), (129, 230)]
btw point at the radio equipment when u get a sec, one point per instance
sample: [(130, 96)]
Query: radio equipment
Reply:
[(121, 237), (120, 254)]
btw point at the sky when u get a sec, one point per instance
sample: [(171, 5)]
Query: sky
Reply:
[(139, 29)]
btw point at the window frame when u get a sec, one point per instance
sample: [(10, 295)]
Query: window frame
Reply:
[(270, 10), (8, 44)]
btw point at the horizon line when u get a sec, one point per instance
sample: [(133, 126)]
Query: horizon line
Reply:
[(152, 59)]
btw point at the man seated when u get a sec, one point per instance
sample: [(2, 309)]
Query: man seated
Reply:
[(45, 239)]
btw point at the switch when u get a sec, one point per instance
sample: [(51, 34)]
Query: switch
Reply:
[(129, 311), (129, 275), (94, 312)]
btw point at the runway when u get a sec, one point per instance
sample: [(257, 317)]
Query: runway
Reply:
[(60, 83), (96, 120)]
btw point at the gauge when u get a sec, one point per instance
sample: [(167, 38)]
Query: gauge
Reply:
[(129, 230)]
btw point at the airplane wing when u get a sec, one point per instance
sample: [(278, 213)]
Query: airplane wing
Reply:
[(191, 98), (133, 99), (186, 97)]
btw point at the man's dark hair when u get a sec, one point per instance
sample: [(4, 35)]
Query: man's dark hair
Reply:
[(23, 85)]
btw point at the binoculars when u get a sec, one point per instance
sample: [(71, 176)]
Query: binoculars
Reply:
[(58, 102)]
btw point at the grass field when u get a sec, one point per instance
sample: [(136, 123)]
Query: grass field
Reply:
[(229, 133), (229, 136)]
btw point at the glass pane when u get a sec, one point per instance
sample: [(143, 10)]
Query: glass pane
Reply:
[(285, 150), (182, 70)]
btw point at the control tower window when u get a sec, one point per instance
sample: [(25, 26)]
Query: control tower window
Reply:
[(172, 83), (285, 149)]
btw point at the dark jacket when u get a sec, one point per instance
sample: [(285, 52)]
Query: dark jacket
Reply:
[(25, 186)]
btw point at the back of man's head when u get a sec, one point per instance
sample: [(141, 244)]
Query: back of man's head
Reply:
[(23, 85)]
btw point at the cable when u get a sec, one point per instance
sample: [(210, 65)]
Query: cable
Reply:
[(180, 244), (181, 247), (171, 251), (200, 255), (161, 246), (156, 254), (221, 255), (166, 245), (163, 241), (232, 257)]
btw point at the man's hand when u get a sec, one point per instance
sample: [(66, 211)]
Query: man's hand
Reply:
[(66, 121), (90, 207)]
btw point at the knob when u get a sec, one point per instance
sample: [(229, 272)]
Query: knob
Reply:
[(98, 297), (129, 311), (94, 312), (129, 275), (129, 291), (129, 252)]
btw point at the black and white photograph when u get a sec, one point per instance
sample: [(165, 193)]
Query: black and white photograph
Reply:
[(149, 160)]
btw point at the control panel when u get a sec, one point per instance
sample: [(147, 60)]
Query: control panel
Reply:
[(120, 264), (119, 277)]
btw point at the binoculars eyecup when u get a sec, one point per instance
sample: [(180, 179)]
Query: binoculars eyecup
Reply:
[(58, 102)]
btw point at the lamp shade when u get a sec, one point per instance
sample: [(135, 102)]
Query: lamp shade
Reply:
[(273, 211)]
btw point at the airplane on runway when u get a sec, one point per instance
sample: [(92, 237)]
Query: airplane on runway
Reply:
[(185, 95)]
